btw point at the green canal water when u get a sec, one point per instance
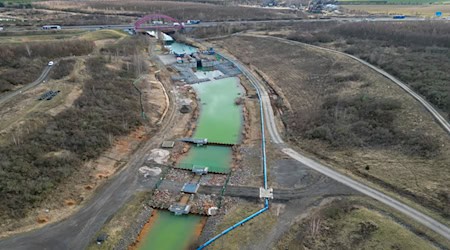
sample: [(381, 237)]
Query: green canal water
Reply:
[(220, 118), (181, 48), (170, 232), (220, 121), (216, 158)]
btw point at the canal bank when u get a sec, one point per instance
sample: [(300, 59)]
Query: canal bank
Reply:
[(220, 121)]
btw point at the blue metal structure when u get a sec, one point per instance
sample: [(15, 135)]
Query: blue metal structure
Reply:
[(264, 161)]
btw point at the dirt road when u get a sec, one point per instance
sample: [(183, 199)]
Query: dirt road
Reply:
[(76, 231)]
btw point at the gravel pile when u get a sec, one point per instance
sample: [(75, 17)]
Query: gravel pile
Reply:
[(213, 179), (202, 202), (179, 175), (164, 198), (243, 175)]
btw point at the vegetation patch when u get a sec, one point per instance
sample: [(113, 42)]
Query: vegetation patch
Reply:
[(23, 63), (121, 228), (179, 10), (344, 225), (63, 68), (102, 34), (352, 118), (30, 169), (241, 236), (417, 53)]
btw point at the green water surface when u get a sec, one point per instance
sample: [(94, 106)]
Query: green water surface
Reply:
[(170, 232), (220, 118), (216, 158), (220, 121), (181, 48)]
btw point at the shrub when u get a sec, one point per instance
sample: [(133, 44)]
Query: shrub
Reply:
[(30, 169), (63, 68)]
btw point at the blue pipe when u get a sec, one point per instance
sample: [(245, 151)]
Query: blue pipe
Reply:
[(240, 223), (264, 163)]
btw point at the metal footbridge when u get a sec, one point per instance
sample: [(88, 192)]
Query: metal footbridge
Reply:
[(204, 141)]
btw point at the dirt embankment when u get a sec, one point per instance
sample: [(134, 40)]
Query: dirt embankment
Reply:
[(353, 119)]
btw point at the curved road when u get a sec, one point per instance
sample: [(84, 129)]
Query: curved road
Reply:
[(8, 96), (276, 139), (435, 113)]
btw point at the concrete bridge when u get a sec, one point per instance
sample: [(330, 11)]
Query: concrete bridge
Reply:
[(204, 141)]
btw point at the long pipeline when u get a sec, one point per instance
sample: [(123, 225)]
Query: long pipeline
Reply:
[(264, 161)]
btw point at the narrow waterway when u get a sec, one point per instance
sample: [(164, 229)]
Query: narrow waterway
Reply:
[(220, 121), (220, 118), (169, 232)]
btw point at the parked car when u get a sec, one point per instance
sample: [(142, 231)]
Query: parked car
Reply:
[(50, 63), (193, 21)]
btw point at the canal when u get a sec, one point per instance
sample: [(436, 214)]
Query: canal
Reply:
[(220, 121)]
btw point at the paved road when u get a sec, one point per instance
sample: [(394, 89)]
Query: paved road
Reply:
[(211, 24), (9, 95), (276, 139), (435, 113)]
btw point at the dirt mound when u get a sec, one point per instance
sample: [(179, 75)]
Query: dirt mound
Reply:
[(159, 156), (146, 171)]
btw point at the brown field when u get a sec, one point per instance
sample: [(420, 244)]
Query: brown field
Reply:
[(410, 10), (28, 119), (347, 224), (179, 10), (31, 18), (303, 76)]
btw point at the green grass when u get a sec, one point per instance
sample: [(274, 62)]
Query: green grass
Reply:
[(389, 233), (247, 235), (39, 36), (102, 35)]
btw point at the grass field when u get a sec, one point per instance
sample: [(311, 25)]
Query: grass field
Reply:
[(303, 76), (344, 225), (425, 10), (26, 37), (103, 34), (244, 235), (178, 10)]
